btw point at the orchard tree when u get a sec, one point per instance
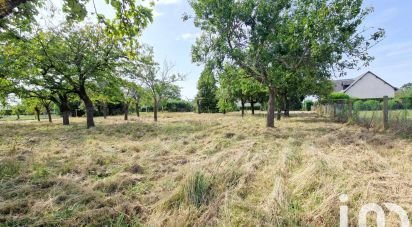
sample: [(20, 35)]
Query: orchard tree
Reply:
[(268, 38), (131, 93), (105, 92), (82, 56), (32, 105), (242, 87), (206, 96), (131, 16), (159, 81)]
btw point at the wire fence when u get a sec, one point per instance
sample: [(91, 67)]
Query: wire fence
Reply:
[(385, 113)]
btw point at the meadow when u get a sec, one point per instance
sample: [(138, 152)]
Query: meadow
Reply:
[(196, 170)]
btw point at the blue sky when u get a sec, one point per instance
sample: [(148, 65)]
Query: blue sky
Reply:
[(172, 40)]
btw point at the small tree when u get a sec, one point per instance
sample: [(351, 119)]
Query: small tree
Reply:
[(206, 95), (159, 81)]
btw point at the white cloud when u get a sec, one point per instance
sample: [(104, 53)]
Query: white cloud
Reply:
[(188, 36)]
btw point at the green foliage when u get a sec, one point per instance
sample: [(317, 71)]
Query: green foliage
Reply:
[(372, 105), (307, 105), (338, 96), (206, 99), (179, 105), (362, 105), (405, 91), (130, 18), (272, 39), (394, 104), (225, 100), (406, 103), (158, 81), (359, 105)]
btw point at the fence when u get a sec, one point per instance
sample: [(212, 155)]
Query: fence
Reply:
[(385, 113)]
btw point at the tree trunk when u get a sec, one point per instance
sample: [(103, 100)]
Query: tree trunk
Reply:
[(155, 110), (279, 114), (66, 117), (252, 106), (243, 107), (104, 110), (286, 105), (198, 106), (270, 120), (89, 107), (37, 113), (126, 111), (63, 103), (137, 110), (48, 111)]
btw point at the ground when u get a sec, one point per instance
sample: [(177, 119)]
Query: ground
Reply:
[(191, 169)]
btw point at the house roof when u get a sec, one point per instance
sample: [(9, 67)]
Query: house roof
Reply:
[(340, 84), (357, 79)]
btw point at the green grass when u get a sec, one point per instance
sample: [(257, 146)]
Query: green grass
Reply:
[(392, 113), (9, 168)]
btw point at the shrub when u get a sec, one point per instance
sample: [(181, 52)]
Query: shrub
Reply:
[(307, 105), (406, 103), (359, 105), (395, 104), (178, 105), (372, 105), (338, 96)]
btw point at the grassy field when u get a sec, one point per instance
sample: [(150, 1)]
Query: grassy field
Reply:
[(197, 170), (26, 117)]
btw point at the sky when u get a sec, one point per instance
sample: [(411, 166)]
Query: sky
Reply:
[(172, 39)]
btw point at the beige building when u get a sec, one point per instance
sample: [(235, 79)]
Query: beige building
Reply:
[(366, 86)]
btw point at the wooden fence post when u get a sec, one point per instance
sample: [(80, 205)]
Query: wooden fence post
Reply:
[(350, 109), (334, 110), (385, 113)]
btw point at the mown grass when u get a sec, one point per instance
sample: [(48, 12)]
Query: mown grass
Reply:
[(197, 170)]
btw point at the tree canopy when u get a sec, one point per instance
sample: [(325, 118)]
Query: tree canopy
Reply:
[(269, 39)]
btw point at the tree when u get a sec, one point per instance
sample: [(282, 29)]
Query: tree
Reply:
[(406, 86), (242, 87), (206, 96), (159, 81), (130, 17), (131, 93), (225, 100), (405, 91), (268, 38), (82, 56), (32, 105), (105, 92)]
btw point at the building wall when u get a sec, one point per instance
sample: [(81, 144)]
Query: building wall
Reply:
[(369, 87)]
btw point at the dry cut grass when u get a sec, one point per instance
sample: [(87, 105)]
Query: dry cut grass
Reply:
[(197, 170)]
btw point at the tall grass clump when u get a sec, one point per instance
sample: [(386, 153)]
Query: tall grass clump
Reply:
[(197, 189), (9, 168)]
